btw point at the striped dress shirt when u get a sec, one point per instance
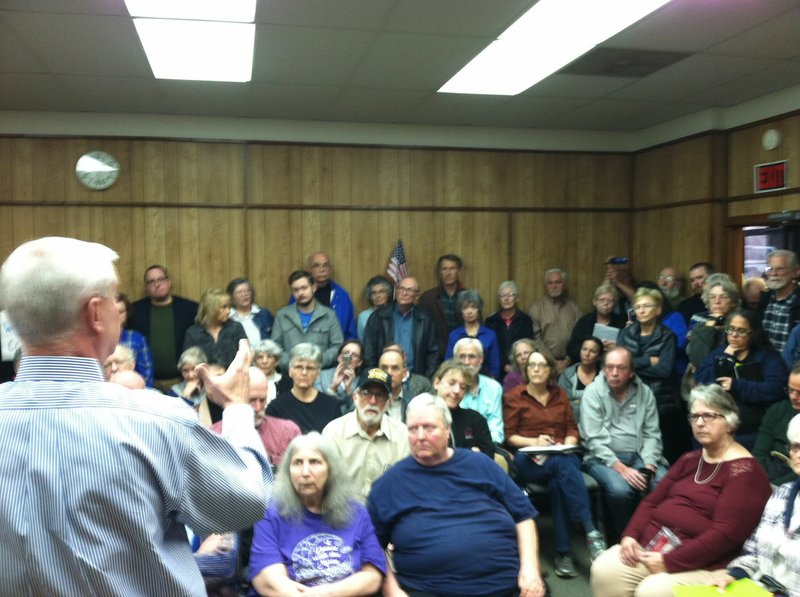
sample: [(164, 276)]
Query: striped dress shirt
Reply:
[(98, 481)]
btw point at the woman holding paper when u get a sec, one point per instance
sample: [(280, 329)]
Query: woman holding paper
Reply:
[(697, 518), (773, 550), (538, 414)]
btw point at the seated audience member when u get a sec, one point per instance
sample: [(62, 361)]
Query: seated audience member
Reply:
[(605, 297), (770, 448), (554, 315), (304, 404), (405, 384), (403, 322), (791, 350), (485, 395), (576, 378), (257, 322), (213, 330), (751, 292), (122, 359), (217, 557), (315, 535), (708, 327), (539, 414), (747, 367), (469, 428), (275, 433), (509, 324), (341, 380), (130, 379), (378, 293), (773, 550), (698, 273), (470, 306), (621, 439), (517, 359), (654, 348), (368, 441), (473, 498), (307, 320), (690, 526), (266, 356), (135, 341), (191, 388)]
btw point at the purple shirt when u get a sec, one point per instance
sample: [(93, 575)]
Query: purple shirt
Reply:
[(314, 552)]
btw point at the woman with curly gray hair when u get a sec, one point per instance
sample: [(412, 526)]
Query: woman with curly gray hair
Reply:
[(315, 534)]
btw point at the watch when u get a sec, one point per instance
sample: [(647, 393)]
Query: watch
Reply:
[(97, 170)]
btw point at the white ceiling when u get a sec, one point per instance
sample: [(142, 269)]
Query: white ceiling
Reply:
[(381, 61)]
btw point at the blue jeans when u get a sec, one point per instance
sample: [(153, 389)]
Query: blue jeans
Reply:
[(621, 498), (569, 499)]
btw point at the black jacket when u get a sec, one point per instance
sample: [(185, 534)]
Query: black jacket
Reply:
[(521, 327), (379, 333)]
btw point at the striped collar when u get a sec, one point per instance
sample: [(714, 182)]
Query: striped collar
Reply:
[(59, 368)]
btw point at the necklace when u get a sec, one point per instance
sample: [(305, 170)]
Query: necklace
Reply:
[(714, 472)]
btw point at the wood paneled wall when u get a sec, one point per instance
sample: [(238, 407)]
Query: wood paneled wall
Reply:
[(211, 211)]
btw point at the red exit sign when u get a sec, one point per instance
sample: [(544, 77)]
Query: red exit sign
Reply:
[(770, 177)]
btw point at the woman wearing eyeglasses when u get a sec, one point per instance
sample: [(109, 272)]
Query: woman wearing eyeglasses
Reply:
[(654, 348), (746, 366), (772, 554), (697, 518)]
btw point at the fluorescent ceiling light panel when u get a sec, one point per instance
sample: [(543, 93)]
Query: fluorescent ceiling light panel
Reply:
[(198, 50), (239, 11), (549, 36)]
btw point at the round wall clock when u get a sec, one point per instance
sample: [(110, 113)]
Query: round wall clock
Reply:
[(771, 139), (97, 170)]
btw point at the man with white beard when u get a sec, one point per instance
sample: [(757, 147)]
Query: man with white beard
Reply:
[(670, 281), (780, 306), (368, 441)]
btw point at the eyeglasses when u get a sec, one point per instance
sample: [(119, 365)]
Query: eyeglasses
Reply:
[(729, 329), (155, 281), (778, 271), (666, 278), (706, 417), (511, 295), (404, 290), (305, 368), (369, 393), (642, 306), (793, 448)]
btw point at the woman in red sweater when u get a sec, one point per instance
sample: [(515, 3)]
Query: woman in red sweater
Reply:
[(695, 522)]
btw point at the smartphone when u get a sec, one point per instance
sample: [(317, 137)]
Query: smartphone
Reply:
[(347, 358)]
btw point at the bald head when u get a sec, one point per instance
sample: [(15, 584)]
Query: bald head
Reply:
[(258, 393), (319, 264)]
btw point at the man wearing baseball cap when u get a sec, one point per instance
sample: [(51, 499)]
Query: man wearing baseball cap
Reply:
[(368, 441)]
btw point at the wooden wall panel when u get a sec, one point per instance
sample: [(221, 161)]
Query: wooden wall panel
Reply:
[(745, 151), (676, 236), (678, 172)]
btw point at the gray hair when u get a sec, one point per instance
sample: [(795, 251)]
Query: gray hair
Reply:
[(193, 354), (469, 297), (425, 400), (793, 431), (305, 351), (45, 284), (530, 342), (724, 282), (508, 284), (717, 399), (556, 270), (605, 288), (269, 347), (791, 257), (467, 343), (127, 352), (338, 496)]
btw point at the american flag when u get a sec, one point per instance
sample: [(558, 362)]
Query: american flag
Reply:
[(397, 269)]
